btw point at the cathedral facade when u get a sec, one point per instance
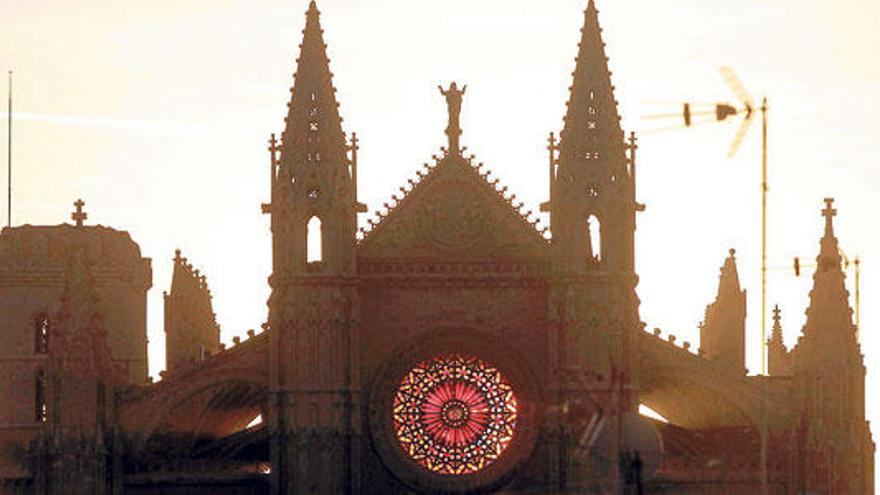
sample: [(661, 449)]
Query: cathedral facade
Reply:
[(448, 347)]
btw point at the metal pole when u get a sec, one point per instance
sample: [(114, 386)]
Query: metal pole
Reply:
[(764, 237), (764, 484), (764, 378), (9, 157)]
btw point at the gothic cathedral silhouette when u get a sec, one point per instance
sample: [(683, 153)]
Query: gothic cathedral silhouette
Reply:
[(451, 346)]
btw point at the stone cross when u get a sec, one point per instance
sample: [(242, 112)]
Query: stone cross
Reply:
[(79, 215), (829, 212)]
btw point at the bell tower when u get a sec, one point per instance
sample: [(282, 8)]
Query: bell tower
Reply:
[(592, 211), (314, 307), (313, 179), (592, 192)]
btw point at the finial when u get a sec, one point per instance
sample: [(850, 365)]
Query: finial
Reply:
[(79, 216), (777, 315), (732, 252), (177, 254)]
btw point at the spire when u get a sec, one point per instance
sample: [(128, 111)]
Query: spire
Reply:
[(187, 281), (829, 317), (829, 253), (592, 124), (191, 330), (778, 358), (313, 186), (591, 175), (313, 131), (722, 335), (776, 335), (728, 284)]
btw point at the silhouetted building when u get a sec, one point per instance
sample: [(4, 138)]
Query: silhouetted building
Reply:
[(191, 330), (723, 332), (450, 347)]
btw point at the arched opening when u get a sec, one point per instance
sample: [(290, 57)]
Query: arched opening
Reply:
[(213, 421), (594, 239), (40, 396), (314, 248), (693, 400)]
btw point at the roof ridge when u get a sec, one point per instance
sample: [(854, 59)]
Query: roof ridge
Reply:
[(427, 171)]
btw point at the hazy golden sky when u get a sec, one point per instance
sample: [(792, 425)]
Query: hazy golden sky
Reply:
[(156, 113)]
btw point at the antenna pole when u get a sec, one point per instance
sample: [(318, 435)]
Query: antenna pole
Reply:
[(9, 156), (764, 237), (764, 378)]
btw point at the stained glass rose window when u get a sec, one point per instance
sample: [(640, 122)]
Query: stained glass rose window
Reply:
[(454, 414)]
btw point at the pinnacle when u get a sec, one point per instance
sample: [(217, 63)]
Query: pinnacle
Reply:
[(829, 253), (776, 335), (829, 315), (592, 123), (729, 274), (313, 8), (187, 279), (312, 104)]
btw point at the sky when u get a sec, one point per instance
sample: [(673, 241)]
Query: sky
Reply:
[(157, 115)]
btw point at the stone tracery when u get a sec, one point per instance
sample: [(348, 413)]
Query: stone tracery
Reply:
[(454, 414)]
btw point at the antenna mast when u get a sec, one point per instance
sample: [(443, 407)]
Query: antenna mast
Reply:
[(720, 113), (9, 156)]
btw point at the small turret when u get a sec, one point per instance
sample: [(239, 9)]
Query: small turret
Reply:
[(722, 335), (778, 357), (191, 330)]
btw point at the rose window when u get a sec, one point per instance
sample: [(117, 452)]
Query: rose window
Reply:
[(454, 414)]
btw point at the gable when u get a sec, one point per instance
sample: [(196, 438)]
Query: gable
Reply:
[(454, 213)]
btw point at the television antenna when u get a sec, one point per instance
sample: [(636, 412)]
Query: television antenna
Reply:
[(721, 112), (693, 114)]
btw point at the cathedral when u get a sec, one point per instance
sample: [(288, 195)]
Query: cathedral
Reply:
[(449, 346)]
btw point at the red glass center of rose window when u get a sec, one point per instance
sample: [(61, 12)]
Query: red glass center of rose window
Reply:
[(454, 414)]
